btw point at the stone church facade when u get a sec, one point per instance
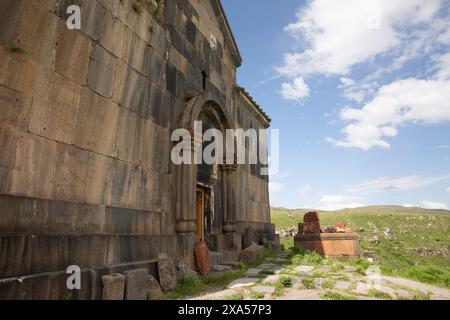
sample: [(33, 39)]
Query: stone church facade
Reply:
[(86, 118)]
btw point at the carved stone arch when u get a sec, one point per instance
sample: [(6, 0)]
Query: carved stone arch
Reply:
[(192, 108), (186, 179)]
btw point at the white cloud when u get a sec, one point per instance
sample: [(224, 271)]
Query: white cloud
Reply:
[(443, 66), (281, 175), (383, 184), (434, 205), (347, 81), (402, 102), (304, 190), (295, 90), (340, 34), (338, 202), (275, 187)]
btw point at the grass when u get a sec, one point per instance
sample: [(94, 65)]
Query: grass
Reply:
[(378, 294), (331, 295), (257, 295), (393, 236), (309, 282), (190, 286), (312, 258)]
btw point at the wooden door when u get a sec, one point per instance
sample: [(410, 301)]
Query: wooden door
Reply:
[(200, 216)]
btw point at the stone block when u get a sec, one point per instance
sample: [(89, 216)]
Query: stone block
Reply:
[(113, 287), (167, 272), (216, 258), (132, 90), (29, 27), (264, 289), (251, 254), (155, 67), (220, 268), (12, 107), (135, 51), (153, 288), (243, 282), (72, 54), (55, 106), (128, 136), (97, 123), (253, 273), (111, 33), (101, 72), (136, 287)]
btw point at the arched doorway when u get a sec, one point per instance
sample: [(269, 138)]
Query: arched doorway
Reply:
[(204, 201)]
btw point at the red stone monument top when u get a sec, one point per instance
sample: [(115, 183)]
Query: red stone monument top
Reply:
[(311, 223)]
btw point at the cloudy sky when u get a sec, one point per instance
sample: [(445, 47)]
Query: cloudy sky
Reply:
[(360, 90)]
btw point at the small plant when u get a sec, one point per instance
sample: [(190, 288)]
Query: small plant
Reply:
[(312, 258), (422, 296), (257, 295), (379, 294), (285, 282), (235, 297), (16, 47), (137, 6), (329, 284), (330, 295), (309, 282)]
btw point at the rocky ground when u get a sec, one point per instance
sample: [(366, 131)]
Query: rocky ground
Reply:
[(283, 276)]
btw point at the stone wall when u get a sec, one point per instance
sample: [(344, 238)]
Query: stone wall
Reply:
[(85, 123)]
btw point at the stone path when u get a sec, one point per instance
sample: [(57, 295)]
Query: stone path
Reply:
[(278, 278)]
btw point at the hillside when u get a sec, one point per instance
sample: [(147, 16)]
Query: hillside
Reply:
[(408, 242)]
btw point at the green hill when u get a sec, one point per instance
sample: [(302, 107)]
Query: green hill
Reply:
[(408, 242)]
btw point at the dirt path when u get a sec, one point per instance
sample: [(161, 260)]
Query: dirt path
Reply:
[(278, 278)]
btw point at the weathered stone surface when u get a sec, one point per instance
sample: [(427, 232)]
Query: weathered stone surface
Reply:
[(272, 279), (136, 284), (251, 254), (220, 268), (72, 54), (153, 288), (167, 272), (253, 273), (243, 282), (304, 269), (29, 27), (311, 223), (101, 72), (97, 123), (216, 258), (264, 289), (113, 287), (343, 285), (55, 107)]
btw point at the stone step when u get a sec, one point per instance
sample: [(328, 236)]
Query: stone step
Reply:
[(229, 256), (216, 258), (221, 268)]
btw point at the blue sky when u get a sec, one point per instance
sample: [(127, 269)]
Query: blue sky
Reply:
[(360, 91)]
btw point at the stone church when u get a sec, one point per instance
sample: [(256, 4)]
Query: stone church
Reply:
[(86, 117)]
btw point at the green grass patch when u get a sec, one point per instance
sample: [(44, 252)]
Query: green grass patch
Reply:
[(312, 258), (309, 282), (379, 294), (190, 286), (257, 295), (331, 295)]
